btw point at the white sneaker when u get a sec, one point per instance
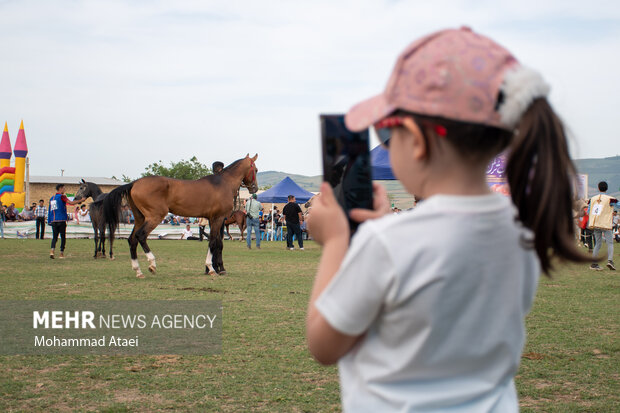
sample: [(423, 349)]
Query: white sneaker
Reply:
[(301, 249), (291, 249)]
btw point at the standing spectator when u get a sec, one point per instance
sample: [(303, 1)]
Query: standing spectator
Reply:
[(57, 218), (262, 225), (252, 208), (293, 215), (127, 215), (40, 213), (600, 222), (202, 224), (586, 233)]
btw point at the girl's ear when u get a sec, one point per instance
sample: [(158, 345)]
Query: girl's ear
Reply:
[(420, 146)]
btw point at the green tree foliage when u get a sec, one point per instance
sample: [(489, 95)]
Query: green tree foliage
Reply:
[(192, 169)]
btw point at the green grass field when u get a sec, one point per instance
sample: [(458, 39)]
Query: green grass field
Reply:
[(570, 362)]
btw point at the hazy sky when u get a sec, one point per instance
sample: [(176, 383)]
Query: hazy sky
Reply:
[(107, 87)]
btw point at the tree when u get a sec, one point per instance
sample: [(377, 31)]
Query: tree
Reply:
[(183, 169)]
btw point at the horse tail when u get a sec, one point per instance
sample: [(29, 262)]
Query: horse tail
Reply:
[(111, 206)]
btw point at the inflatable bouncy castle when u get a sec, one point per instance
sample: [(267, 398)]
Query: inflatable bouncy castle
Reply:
[(12, 178)]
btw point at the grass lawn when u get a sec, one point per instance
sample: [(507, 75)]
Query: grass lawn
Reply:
[(570, 362)]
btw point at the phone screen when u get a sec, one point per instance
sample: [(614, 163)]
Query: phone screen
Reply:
[(346, 164)]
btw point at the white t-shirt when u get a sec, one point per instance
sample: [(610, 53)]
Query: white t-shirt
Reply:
[(441, 292), (187, 233)]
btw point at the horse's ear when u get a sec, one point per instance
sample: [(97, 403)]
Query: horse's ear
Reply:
[(247, 156), (255, 157), (83, 181)]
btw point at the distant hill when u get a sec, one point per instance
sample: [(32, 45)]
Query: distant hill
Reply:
[(270, 178), (602, 169), (396, 192)]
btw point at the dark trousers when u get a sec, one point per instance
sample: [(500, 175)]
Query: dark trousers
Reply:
[(586, 238), (293, 229), (41, 226), (202, 233), (59, 228)]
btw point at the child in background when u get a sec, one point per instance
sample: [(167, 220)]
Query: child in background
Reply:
[(424, 310)]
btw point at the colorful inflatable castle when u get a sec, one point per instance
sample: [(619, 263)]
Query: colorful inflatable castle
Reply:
[(12, 178)]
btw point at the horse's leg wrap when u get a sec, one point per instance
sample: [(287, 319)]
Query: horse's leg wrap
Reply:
[(209, 263), (152, 264), (136, 267)]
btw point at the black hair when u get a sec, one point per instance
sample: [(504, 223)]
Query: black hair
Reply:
[(540, 173), (59, 186), (602, 186)]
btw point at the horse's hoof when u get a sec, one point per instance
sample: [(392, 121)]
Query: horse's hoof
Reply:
[(152, 268), (139, 275), (223, 273), (211, 273), (112, 258)]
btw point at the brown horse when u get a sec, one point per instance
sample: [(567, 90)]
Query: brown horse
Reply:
[(152, 197), (236, 217)]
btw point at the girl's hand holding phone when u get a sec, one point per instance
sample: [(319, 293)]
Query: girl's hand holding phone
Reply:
[(327, 220)]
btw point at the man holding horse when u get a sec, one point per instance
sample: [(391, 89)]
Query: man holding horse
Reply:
[(58, 217), (252, 209)]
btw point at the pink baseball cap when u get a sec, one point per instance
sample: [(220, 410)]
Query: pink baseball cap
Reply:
[(454, 74)]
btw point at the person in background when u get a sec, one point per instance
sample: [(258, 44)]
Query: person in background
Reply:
[(2, 219), (293, 215), (586, 233), (57, 218), (188, 234), (40, 213), (11, 213), (202, 224), (252, 208), (84, 214), (217, 167), (600, 221), (417, 319), (26, 215)]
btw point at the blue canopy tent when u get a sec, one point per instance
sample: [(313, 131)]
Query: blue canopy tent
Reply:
[(278, 194), (380, 162)]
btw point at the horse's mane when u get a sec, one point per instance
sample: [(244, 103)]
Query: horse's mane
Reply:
[(234, 165)]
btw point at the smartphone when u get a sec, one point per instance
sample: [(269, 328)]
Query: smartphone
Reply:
[(346, 164)]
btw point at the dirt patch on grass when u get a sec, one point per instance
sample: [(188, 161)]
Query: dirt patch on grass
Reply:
[(207, 289)]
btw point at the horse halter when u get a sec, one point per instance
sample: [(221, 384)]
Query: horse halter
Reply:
[(251, 175)]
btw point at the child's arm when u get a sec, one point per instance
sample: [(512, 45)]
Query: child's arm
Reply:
[(325, 343), (329, 227)]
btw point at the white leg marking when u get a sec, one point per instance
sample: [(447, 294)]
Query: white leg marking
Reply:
[(209, 261), (135, 265), (150, 257)]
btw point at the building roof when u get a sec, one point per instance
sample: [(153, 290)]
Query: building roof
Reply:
[(73, 180)]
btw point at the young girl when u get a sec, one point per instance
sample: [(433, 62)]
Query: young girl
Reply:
[(424, 310)]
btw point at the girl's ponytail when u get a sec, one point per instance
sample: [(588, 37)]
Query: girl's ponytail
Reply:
[(540, 174)]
